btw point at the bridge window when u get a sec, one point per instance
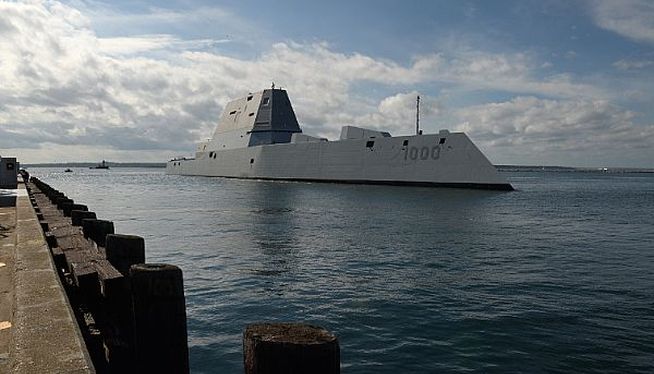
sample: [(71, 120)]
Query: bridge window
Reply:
[(370, 143), (442, 141), (249, 97), (405, 143), (252, 161)]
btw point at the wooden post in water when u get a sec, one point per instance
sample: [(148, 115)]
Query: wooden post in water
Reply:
[(97, 230), (159, 318), (69, 208), (124, 251), (270, 348), (102, 229), (66, 207), (63, 200), (88, 227), (77, 216)]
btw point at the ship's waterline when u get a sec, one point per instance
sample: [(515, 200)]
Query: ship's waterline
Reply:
[(258, 136)]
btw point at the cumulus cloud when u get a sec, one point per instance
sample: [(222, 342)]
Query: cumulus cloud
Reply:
[(537, 127), (632, 64), (633, 19), (65, 87)]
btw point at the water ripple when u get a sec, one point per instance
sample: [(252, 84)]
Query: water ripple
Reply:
[(556, 277)]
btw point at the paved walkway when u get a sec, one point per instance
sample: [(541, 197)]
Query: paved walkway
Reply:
[(38, 333), (7, 248)]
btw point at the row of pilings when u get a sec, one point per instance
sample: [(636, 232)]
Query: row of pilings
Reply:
[(132, 315)]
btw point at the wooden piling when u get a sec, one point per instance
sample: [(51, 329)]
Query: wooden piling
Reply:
[(97, 230), (61, 200), (69, 208), (76, 216), (66, 207), (289, 348), (123, 251), (159, 318)]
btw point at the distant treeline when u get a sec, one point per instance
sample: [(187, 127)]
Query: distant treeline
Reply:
[(92, 164), (499, 167), (572, 169)]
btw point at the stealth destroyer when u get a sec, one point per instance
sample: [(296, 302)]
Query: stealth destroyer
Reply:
[(258, 137)]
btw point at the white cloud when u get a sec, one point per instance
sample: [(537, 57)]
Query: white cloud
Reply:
[(133, 44), (631, 64), (541, 129), (63, 86), (633, 19)]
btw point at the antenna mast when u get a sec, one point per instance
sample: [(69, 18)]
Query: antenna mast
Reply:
[(418, 115)]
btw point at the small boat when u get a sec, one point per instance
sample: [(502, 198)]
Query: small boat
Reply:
[(102, 165), (68, 171)]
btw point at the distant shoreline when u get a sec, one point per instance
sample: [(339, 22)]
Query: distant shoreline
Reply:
[(545, 168), (502, 168), (93, 164)]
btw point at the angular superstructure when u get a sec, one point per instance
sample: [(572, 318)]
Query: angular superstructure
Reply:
[(259, 137)]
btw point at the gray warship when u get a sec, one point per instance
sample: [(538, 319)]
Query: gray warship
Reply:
[(258, 137)]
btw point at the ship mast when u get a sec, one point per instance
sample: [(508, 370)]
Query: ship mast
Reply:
[(418, 115)]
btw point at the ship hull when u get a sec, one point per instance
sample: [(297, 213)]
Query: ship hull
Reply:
[(421, 160)]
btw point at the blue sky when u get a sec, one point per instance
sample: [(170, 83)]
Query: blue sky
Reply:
[(531, 82)]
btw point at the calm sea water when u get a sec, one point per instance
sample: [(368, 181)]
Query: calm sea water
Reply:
[(555, 277)]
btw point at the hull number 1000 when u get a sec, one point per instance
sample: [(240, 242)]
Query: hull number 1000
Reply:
[(423, 153)]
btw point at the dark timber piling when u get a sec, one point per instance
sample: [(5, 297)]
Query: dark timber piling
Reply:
[(97, 230), (67, 209), (289, 348), (124, 251), (159, 318), (76, 216)]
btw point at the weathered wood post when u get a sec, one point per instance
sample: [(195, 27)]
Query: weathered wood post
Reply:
[(289, 348), (69, 208), (88, 226), (159, 318), (102, 229), (77, 216), (124, 251), (63, 200), (97, 230), (66, 207), (53, 195)]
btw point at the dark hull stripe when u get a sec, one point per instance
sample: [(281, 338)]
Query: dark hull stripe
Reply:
[(476, 186)]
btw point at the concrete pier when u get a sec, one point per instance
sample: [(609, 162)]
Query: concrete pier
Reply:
[(38, 331)]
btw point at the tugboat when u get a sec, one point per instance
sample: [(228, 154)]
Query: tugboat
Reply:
[(258, 136), (102, 165)]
